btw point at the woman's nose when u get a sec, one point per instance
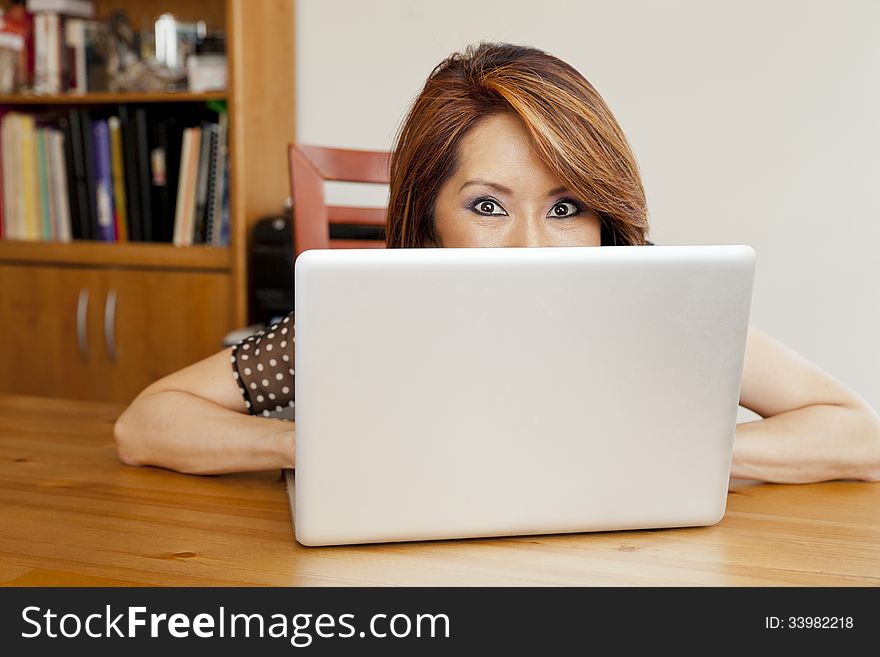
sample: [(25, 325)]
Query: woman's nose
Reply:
[(527, 232)]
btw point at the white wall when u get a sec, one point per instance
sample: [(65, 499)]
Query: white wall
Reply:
[(754, 122)]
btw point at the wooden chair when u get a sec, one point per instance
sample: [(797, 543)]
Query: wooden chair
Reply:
[(313, 219)]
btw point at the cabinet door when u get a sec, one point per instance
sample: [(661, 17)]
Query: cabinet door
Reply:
[(156, 322), (50, 327)]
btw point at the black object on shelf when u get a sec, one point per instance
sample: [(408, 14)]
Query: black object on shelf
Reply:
[(270, 284), (353, 232)]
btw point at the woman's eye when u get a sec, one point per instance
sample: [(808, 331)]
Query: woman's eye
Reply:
[(564, 209), (488, 208)]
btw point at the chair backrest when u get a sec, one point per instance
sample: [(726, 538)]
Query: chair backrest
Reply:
[(310, 168)]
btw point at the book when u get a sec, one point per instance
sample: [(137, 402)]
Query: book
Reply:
[(21, 178), (41, 54), (177, 238), (215, 183), (50, 202), (3, 167), (30, 173), (183, 220), (47, 53), (75, 43), (60, 187), (103, 182), (174, 126), (142, 155), (44, 212), (11, 181), (180, 206), (62, 56), (132, 177), (86, 156), (78, 8), (79, 213), (13, 196), (192, 186), (5, 177), (120, 208)]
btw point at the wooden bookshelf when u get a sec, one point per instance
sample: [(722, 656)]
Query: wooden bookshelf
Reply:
[(109, 98), (213, 12), (192, 296), (107, 254)]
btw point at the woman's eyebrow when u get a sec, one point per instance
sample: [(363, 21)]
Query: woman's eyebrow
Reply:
[(503, 189), (487, 183)]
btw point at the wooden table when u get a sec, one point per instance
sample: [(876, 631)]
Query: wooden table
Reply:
[(71, 514)]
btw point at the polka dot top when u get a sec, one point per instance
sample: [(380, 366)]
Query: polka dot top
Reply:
[(263, 368)]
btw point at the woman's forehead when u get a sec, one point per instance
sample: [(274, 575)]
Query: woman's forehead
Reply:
[(498, 150)]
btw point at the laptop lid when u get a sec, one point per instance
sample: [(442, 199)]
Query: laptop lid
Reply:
[(451, 393)]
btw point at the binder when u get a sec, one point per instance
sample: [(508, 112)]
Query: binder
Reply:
[(132, 176), (223, 237), (208, 148), (78, 213), (84, 151), (142, 154), (215, 184)]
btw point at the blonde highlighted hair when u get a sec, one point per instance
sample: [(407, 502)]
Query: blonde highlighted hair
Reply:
[(571, 128)]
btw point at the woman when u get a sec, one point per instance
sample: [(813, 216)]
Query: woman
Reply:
[(505, 146)]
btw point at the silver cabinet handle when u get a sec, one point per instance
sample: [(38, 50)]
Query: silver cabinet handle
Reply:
[(82, 318), (110, 324)]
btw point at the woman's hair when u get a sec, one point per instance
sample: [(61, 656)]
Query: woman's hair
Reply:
[(571, 129)]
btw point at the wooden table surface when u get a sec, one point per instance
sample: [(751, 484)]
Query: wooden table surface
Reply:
[(72, 514)]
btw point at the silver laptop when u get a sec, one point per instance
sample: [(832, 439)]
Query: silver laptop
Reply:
[(453, 393)]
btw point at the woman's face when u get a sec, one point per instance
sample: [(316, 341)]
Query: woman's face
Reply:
[(503, 195)]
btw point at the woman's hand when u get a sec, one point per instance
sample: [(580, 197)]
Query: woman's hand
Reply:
[(813, 428)]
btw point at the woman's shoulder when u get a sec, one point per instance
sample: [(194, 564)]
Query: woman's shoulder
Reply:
[(286, 319), (263, 366)]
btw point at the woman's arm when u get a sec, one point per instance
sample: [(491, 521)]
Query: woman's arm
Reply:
[(813, 428), (195, 421)]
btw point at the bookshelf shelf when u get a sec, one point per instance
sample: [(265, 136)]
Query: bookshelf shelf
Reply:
[(109, 98), (172, 305), (112, 254)]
